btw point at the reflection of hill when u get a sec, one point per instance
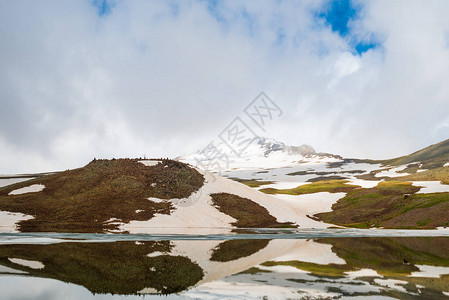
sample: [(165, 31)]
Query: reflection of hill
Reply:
[(328, 267), (117, 268), (235, 249), (148, 267), (395, 260)]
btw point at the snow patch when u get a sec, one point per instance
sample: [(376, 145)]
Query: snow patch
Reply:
[(150, 163), (282, 185), (156, 200), (311, 204), (392, 172), (363, 273), (392, 284), (366, 184), (430, 271), (8, 220), (34, 188), (431, 187), (156, 253), (200, 212)]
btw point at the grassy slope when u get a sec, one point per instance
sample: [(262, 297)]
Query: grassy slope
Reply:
[(254, 183), (82, 200), (438, 174), (116, 268), (331, 186), (432, 157), (391, 204), (247, 213), (234, 249)]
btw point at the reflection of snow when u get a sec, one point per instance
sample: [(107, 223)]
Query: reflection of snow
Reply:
[(27, 263), (148, 290), (280, 284), (4, 269), (253, 290), (313, 252)]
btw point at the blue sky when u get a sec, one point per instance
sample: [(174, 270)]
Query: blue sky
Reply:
[(104, 7), (161, 78), (338, 14)]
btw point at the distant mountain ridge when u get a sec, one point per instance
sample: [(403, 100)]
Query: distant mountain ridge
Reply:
[(261, 152), (269, 146)]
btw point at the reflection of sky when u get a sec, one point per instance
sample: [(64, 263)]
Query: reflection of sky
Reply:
[(12, 287)]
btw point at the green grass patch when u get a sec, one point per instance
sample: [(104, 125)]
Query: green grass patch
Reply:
[(327, 178), (331, 186), (391, 204), (254, 183), (254, 270), (333, 270)]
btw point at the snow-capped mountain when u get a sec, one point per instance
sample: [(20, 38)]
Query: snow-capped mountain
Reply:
[(260, 153), (264, 147)]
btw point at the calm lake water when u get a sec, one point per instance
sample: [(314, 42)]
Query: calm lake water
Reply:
[(256, 264)]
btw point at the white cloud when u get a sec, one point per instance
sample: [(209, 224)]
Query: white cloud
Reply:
[(163, 78)]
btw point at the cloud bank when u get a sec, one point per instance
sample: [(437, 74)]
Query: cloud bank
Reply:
[(84, 79)]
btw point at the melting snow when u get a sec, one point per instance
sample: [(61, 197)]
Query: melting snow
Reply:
[(431, 187), (430, 271), (150, 163), (8, 220), (29, 189)]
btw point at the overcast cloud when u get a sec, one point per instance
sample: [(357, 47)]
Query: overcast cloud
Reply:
[(84, 79)]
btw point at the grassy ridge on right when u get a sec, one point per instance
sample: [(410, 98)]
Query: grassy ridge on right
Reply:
[(392, 204)]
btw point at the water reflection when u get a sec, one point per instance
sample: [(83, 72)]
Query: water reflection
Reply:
[(404, 268)]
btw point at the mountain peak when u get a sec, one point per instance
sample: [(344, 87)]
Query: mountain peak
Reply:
[(261, 151), (269, 145)]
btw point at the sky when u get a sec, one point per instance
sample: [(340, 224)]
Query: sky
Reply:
[(113, 78)]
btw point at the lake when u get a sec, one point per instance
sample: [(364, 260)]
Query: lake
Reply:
[(249, 264)]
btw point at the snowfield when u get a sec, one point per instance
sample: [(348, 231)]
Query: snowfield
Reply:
[(197, 210), (431, 187), (9, 220)]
